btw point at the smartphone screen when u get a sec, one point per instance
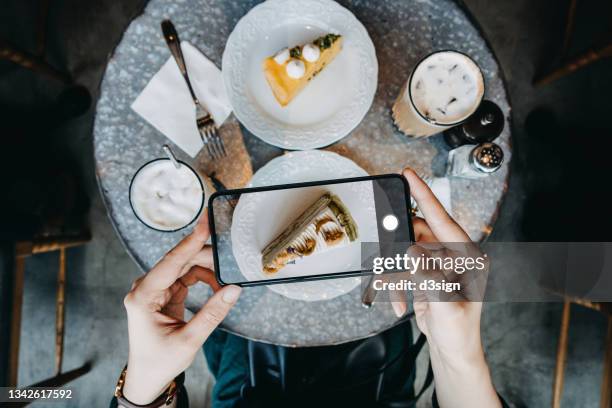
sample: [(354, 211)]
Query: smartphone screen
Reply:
[(306, 231)]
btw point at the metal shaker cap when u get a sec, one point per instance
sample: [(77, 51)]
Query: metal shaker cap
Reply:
[(487, 157)]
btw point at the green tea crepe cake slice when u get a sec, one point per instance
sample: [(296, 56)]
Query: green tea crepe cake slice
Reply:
[(325, 225)]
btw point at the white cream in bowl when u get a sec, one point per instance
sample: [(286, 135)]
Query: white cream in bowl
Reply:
[(164, 197)]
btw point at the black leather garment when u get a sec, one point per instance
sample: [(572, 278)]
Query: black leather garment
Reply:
[(375, 372)]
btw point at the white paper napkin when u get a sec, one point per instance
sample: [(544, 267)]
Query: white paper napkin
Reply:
[(167, 105), (440, 186)]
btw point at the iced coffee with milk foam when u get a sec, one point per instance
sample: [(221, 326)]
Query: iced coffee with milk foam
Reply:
[(444, 89)]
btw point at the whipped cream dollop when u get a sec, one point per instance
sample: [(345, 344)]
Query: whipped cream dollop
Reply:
[(295, 68), (164, 197), (282, 56), (311, 52)]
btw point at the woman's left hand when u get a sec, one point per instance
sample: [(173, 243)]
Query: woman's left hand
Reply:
[(162, 344)]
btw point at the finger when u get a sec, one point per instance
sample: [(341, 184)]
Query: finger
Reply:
[(203, 258), (399, 308), (137, 282), (422, 232), (442, 225), (472, 282), (212, 314), (177, 293), (398, 302), (175, 311), (175, 305), (199, 274), (423, 274), (171, 266)]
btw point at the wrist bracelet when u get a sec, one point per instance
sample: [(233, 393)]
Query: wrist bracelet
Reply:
[(164, 399)]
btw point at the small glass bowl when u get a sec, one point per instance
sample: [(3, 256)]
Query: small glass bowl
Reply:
[(149, 163)]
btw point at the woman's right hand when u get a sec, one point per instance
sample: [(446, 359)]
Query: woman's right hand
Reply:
[(452, 328)]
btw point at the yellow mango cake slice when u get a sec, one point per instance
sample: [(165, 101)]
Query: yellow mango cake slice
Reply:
[(290, 70)]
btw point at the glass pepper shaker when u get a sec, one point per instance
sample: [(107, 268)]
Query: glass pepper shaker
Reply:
[(474, 161)]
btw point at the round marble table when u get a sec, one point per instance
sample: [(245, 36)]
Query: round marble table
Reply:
[(402, 32)]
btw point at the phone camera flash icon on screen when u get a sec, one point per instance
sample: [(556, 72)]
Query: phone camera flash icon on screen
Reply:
[(390, 222)]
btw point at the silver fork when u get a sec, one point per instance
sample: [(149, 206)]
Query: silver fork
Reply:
[(205, 122)]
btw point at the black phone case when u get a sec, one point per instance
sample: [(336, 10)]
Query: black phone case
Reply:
[(336, 275)]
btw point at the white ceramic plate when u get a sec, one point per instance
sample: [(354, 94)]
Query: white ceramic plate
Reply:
[(332, 104), (259, 218)]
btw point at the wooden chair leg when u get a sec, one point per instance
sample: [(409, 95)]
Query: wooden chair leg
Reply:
[(606, 385), (60, 312), (561, 356), (31, 62), (574, 65), (23, 249), (569, 28), (16, 321)]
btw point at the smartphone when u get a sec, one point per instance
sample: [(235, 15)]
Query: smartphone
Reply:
[(307, 231)]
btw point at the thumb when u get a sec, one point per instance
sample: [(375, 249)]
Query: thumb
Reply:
[(212, 313)]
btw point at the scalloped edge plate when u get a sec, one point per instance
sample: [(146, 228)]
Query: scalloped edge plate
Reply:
[(332, 105), (297, 167)]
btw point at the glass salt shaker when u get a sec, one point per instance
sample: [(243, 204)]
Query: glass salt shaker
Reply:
[(471, 161)]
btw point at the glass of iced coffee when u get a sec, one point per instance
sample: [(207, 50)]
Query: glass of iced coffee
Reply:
[(165, 196), (443, 90)]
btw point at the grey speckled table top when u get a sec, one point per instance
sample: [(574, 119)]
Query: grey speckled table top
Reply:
[(402, 32)]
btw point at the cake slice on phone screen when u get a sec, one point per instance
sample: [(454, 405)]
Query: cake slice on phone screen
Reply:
[(327, 224)]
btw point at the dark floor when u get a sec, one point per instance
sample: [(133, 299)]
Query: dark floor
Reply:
[(558, 177)]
